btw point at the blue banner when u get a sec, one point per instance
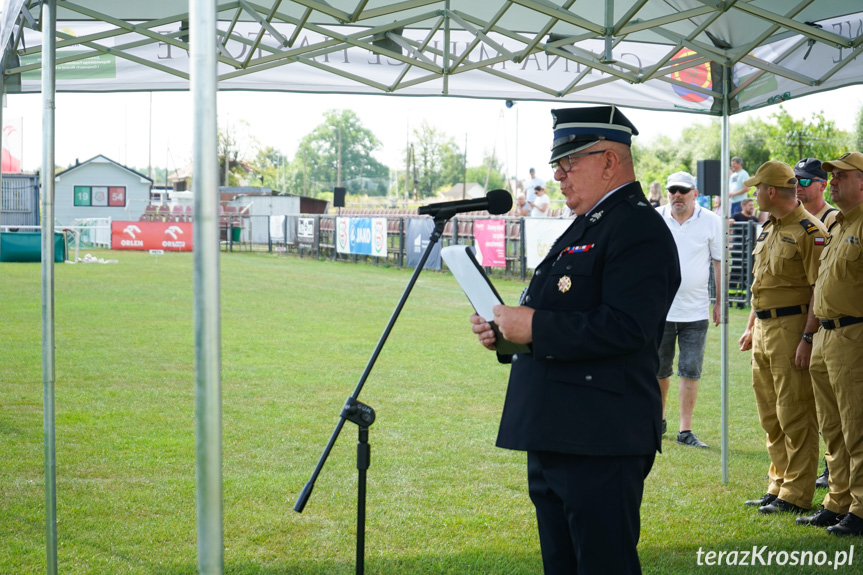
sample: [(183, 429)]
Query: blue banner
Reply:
[(418, 236), (362, 236)]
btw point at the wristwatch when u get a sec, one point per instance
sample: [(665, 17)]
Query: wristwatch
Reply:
[(807, 337)]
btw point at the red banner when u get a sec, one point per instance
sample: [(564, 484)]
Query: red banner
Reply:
[(490, 243), (172, 236)]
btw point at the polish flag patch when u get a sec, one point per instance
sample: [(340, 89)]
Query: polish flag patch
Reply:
[(819, 241)]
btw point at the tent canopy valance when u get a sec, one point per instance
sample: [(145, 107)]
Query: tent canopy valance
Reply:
[(654, 54)]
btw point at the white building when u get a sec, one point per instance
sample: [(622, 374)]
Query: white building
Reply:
[(100, 188)]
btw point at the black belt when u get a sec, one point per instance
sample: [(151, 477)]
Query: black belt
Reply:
[(841, 322), (782, 311)]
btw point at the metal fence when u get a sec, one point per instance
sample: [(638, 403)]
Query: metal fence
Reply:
[(19, 200), (314, 236)]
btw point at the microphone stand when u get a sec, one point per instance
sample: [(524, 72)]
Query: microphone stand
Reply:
[(362, 414)]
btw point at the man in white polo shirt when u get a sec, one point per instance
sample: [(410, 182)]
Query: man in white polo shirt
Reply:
[(698, 235)]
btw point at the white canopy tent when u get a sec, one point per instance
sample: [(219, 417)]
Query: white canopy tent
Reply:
[(713, 57)]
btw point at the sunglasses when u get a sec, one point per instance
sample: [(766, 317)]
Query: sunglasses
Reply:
[(806, 182), (565, 163), (679, 190)]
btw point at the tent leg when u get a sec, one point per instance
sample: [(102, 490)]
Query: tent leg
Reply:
[(49, 47), (726, 166), (208, 400)]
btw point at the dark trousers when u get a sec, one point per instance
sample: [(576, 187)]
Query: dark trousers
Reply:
[(587, 510)]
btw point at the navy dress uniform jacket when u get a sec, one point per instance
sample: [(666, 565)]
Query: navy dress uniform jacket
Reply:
[(601, 297)]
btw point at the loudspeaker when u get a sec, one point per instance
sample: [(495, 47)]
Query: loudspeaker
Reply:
[(338, 197), (709, 178)]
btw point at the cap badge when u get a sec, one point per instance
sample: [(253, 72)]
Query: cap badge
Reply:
[(563, 284)]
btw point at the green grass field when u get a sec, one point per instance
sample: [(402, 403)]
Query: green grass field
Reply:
[(296, 335)]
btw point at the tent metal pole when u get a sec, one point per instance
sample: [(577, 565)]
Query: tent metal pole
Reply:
[(205, 178), (726, 214), (49, 56)]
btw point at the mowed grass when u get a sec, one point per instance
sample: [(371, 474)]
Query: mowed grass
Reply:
[(296, 336)]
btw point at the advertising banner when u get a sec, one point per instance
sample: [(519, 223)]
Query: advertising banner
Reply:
[(306, 232), (418, 236), (490, 243), (540, 234), (171, 236), (362, 236)]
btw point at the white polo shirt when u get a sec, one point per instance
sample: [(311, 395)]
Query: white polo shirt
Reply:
[(699, 241)]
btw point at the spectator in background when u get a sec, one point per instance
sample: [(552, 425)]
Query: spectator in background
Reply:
[(698, 235), (747, 211), (521, 208), (736, 188), (532, 184), (655, 197), (811, 183), (717, 209), (539, 207)]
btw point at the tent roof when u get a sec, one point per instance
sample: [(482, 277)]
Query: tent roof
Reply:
[(653, 54)]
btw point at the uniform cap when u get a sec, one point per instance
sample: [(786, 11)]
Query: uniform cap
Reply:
[(577, 128), (680, 180), (776, 174), (809, 168), (849, 161)]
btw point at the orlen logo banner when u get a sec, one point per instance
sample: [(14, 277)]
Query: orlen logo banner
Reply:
[(176, 236)]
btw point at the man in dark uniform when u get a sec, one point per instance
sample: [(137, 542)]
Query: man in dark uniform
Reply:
[(585, 403)]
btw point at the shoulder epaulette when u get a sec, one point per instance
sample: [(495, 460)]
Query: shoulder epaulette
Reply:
[(827, 213), (808, 226)]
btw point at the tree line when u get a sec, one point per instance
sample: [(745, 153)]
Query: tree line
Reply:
[(340, 153)]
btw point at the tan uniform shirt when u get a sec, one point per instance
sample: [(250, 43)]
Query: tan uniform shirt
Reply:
[(829, 218), (839, 289), (786, 260)]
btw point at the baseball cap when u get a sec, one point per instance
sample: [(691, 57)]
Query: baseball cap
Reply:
[(809, 168), (773, 173), (849, 161), (680, 180)]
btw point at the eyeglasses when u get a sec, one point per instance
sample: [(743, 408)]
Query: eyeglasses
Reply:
[(681, 191), (565, 163), (806, 182)]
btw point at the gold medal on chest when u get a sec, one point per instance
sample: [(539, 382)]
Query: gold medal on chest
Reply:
[(563, 284)]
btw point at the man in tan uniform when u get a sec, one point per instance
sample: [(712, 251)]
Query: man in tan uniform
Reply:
[(780, 335), (837, 375), (811, 183)]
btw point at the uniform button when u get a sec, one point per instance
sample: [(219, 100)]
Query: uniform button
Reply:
[(549, 357), (538, 272), (527, 299), (569, 267), (588, 378)]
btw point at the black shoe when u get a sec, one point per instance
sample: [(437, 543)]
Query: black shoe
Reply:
[(688, 438), (822, 482), (781, 506), (765, 499), (822, 518), (850, 525), (664, 426)]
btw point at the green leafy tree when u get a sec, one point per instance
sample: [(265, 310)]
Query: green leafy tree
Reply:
[(338, 152), (268, 164), (790, 139), (235, 146)]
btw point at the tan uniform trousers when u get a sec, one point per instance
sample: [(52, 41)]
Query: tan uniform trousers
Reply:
[(786, 408), (837, 378)]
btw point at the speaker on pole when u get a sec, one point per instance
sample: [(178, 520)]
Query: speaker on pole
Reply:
[(709, 179), (339, 197)]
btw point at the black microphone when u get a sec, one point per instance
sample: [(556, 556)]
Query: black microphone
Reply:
[(495, 202)]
